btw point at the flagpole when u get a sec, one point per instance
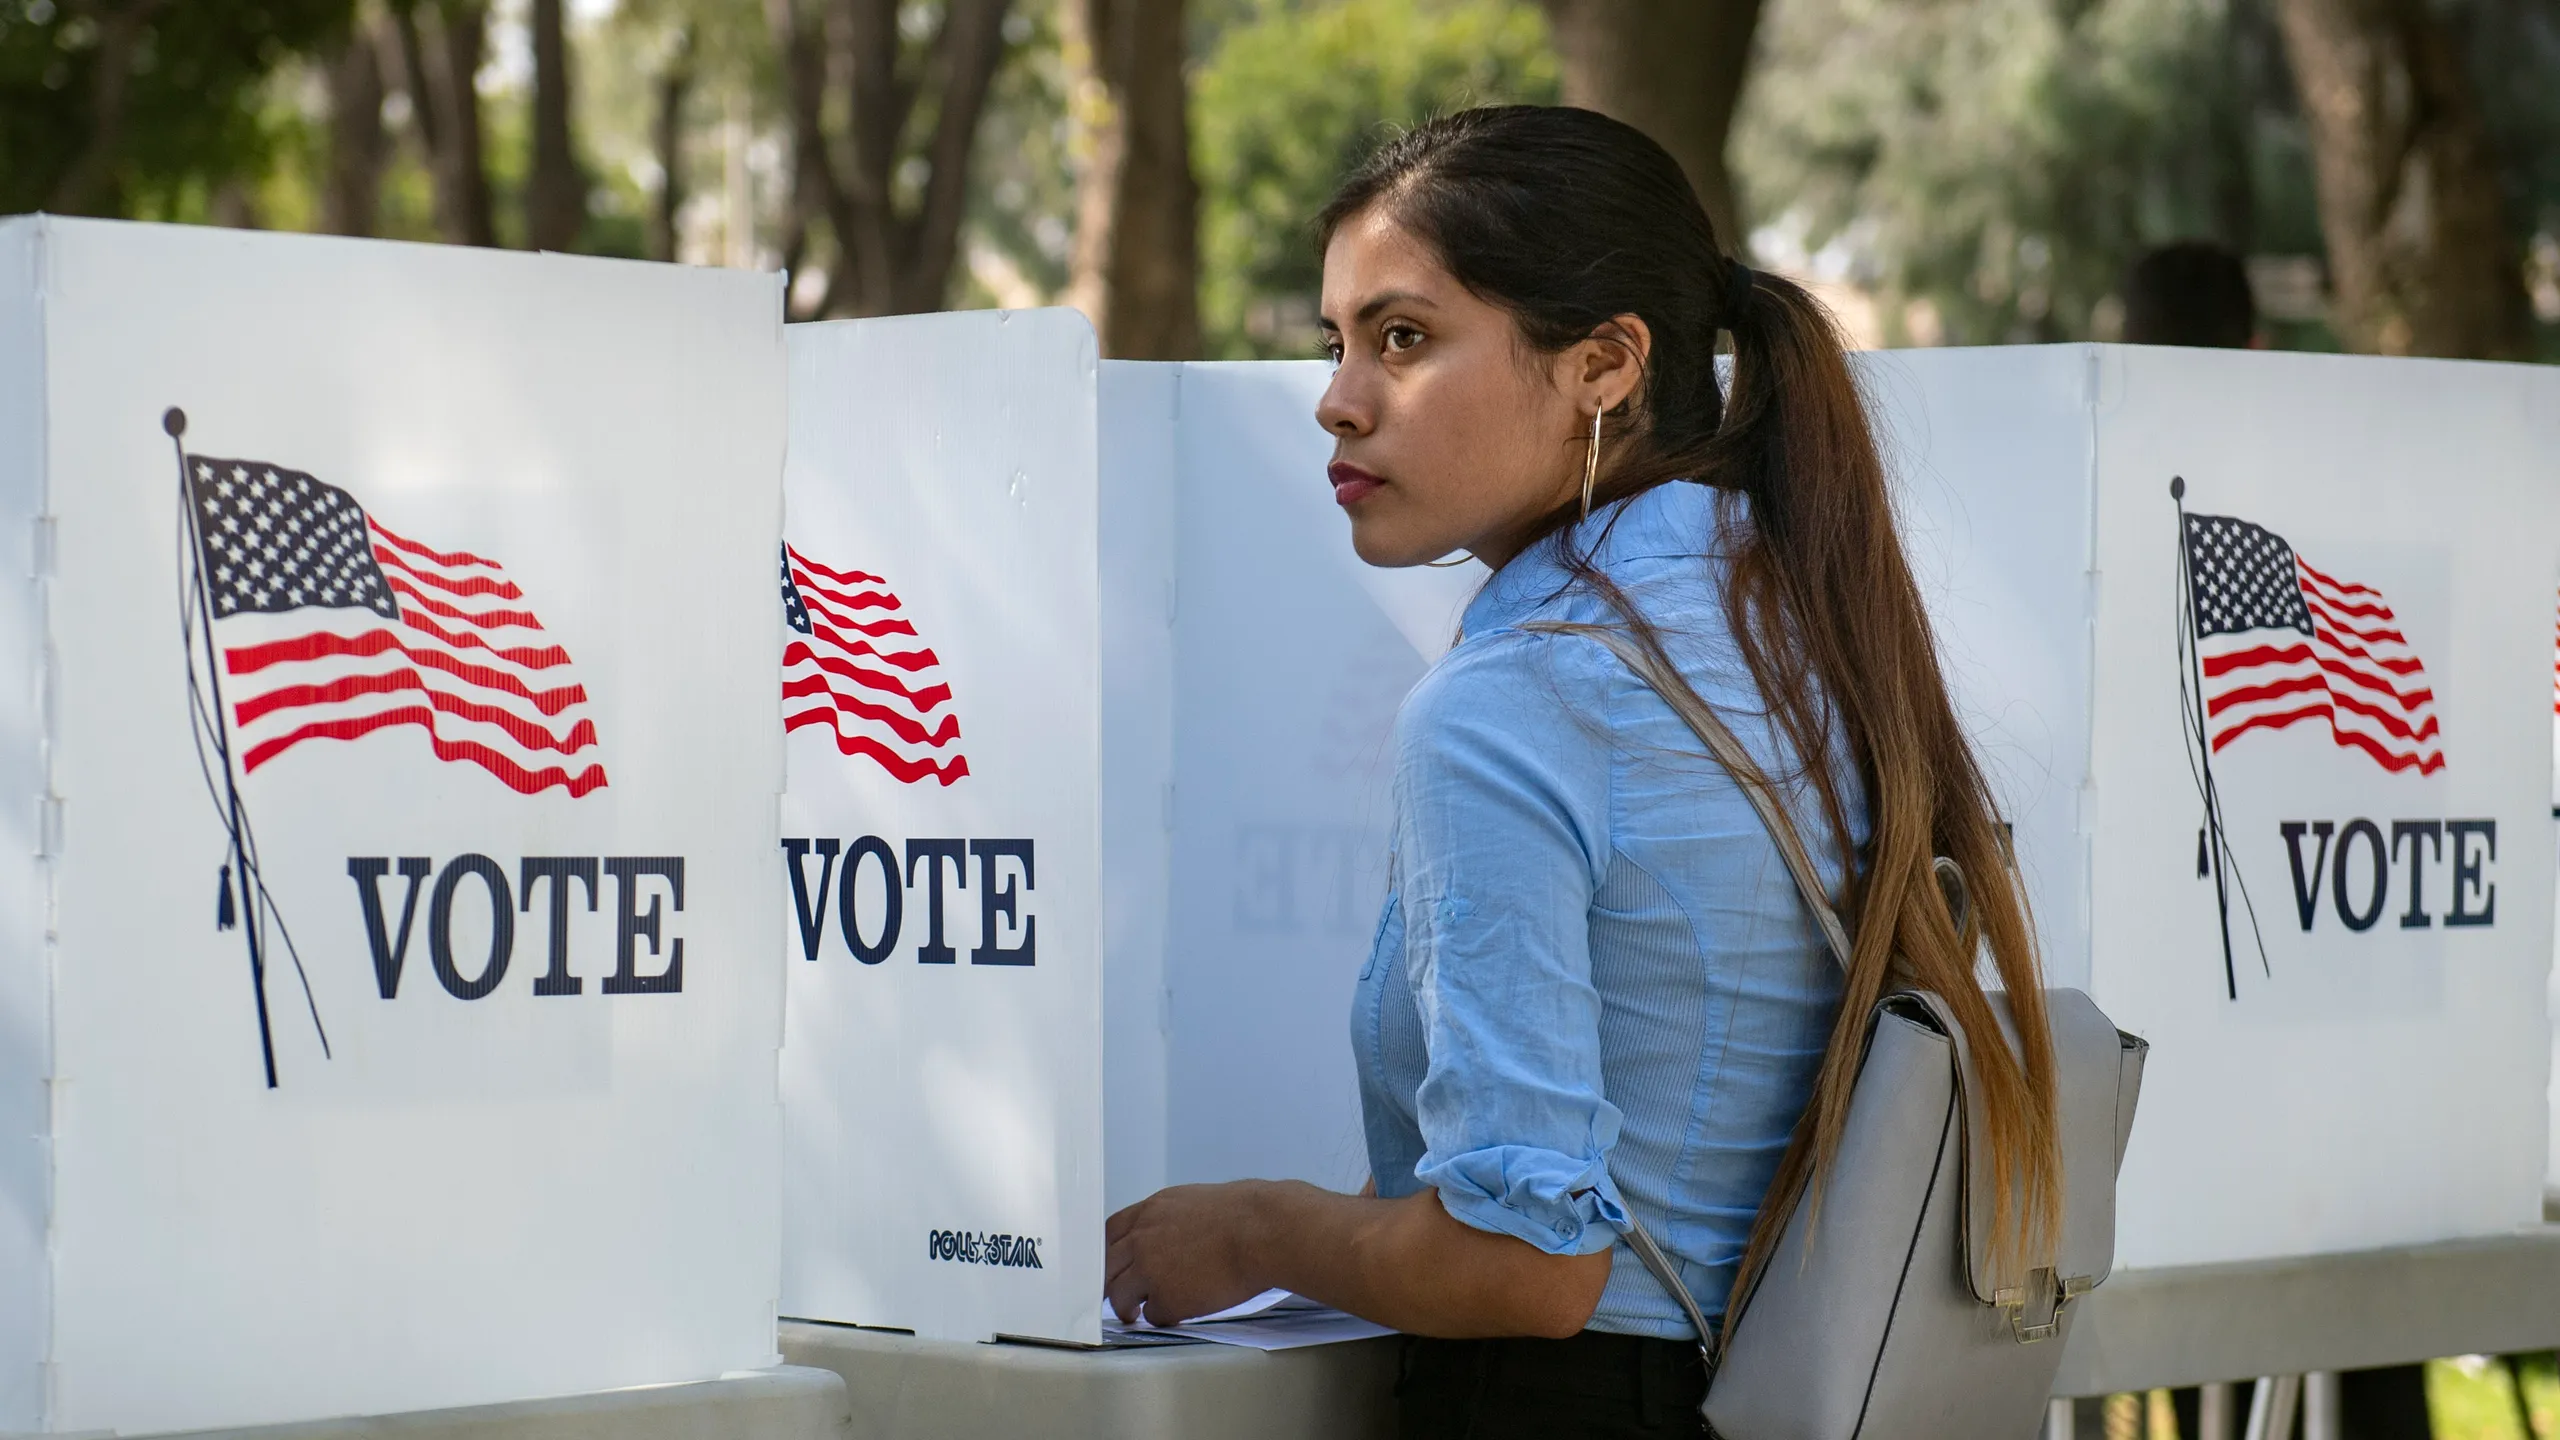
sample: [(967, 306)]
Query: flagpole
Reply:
[(175, 422), (2204, 737)]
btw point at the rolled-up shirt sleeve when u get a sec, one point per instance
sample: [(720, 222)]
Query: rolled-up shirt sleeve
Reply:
[(1504, 794)]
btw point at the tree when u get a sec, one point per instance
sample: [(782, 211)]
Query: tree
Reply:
[(1989, 168), (1137, 256), (892, 202), (1018, 246), (2420, 254), (138, 107), (351, 191), (658, 83), (1671, 68), (673, 88), (120, 27), (442, 44), (555, 195), (1293, 97)]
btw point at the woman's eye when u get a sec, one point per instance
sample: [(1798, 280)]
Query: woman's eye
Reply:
[(1402, 337), (1332, 349)]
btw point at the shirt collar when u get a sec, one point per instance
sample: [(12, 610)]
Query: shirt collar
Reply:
[(1671, 520)]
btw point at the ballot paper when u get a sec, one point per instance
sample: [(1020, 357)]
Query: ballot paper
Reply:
[(1272, 1320)]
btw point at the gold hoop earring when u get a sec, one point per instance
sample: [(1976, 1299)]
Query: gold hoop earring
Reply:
[(1591, 465)]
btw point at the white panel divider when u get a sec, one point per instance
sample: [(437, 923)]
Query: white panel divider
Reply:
[(2374, 847), (387, 997)]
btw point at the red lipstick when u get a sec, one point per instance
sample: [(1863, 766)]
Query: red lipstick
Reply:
[(1351, 484)]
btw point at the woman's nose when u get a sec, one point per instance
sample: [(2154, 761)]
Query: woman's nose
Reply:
[(1345, 409)]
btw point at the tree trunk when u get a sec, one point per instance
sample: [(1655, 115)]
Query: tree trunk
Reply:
[(233, 206), (466, 44), (966, 53), (441, 45), (1135, 270), (816, 187), (1671, 68), (555, 194), (666, 139), (889, 259), (409, 44), (89, 186), (2420, 256), (351, 196)]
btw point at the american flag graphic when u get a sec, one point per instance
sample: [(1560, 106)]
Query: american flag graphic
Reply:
[(2279, 641), (846, 670), (334, 627)]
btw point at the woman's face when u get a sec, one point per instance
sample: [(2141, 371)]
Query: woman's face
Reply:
[(1449, 432)]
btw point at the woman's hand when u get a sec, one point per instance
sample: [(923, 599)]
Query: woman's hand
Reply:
[(1183, 1252), (1406, 1263)]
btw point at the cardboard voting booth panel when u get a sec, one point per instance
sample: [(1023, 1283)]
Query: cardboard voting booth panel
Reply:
[(2372, 539), (2298, 704), (2254, 645), (1253, 669), (942, 1060), (1157, 701), (1292, 657), (386, 996)]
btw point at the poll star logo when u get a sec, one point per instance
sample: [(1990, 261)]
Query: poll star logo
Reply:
[(834, 674), (2268, 641), (331, 626)]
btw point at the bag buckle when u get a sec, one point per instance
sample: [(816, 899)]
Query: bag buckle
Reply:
[(2036, 1308)]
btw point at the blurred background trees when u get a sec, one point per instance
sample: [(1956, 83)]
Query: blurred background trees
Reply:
[(1947, 171)]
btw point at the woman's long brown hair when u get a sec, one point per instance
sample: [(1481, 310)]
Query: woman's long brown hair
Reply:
[(1568, 220)]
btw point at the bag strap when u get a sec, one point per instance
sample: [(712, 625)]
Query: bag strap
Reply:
[(1756, 788), (1641, 1242), (1746, 772)]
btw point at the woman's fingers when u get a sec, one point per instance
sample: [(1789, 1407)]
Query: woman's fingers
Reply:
[(1122, 1221), (1124, 1278), (1128, 1298), (1165, 1256)]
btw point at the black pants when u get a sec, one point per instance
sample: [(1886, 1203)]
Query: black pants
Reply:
[(1604, 1387)]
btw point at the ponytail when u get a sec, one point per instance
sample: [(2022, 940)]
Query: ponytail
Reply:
[(1830, 621), (1568, 219)]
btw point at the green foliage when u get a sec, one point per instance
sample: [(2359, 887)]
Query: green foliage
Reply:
[(195, 107), (726, 49), (1292, 97), (1022, 182), (2471, 1400), (1989, 168), (2003, 161)]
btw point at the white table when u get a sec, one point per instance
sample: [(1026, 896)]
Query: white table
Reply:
[(2141, 1330), (783, 1403), (902, 1388)]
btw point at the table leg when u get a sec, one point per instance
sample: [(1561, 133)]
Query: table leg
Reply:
[(2271, 1407)]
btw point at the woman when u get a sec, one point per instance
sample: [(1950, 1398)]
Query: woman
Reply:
[(1595, 993)]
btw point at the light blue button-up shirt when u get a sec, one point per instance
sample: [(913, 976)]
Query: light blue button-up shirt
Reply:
[(1594, 989)]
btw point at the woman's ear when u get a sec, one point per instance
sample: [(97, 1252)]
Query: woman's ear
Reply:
[(1610, 364)]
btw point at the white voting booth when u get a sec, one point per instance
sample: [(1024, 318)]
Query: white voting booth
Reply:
[(1289, 657), (2355, 616), (2355, 585), (387, 1006), (1084, 637), (942, 1059)]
